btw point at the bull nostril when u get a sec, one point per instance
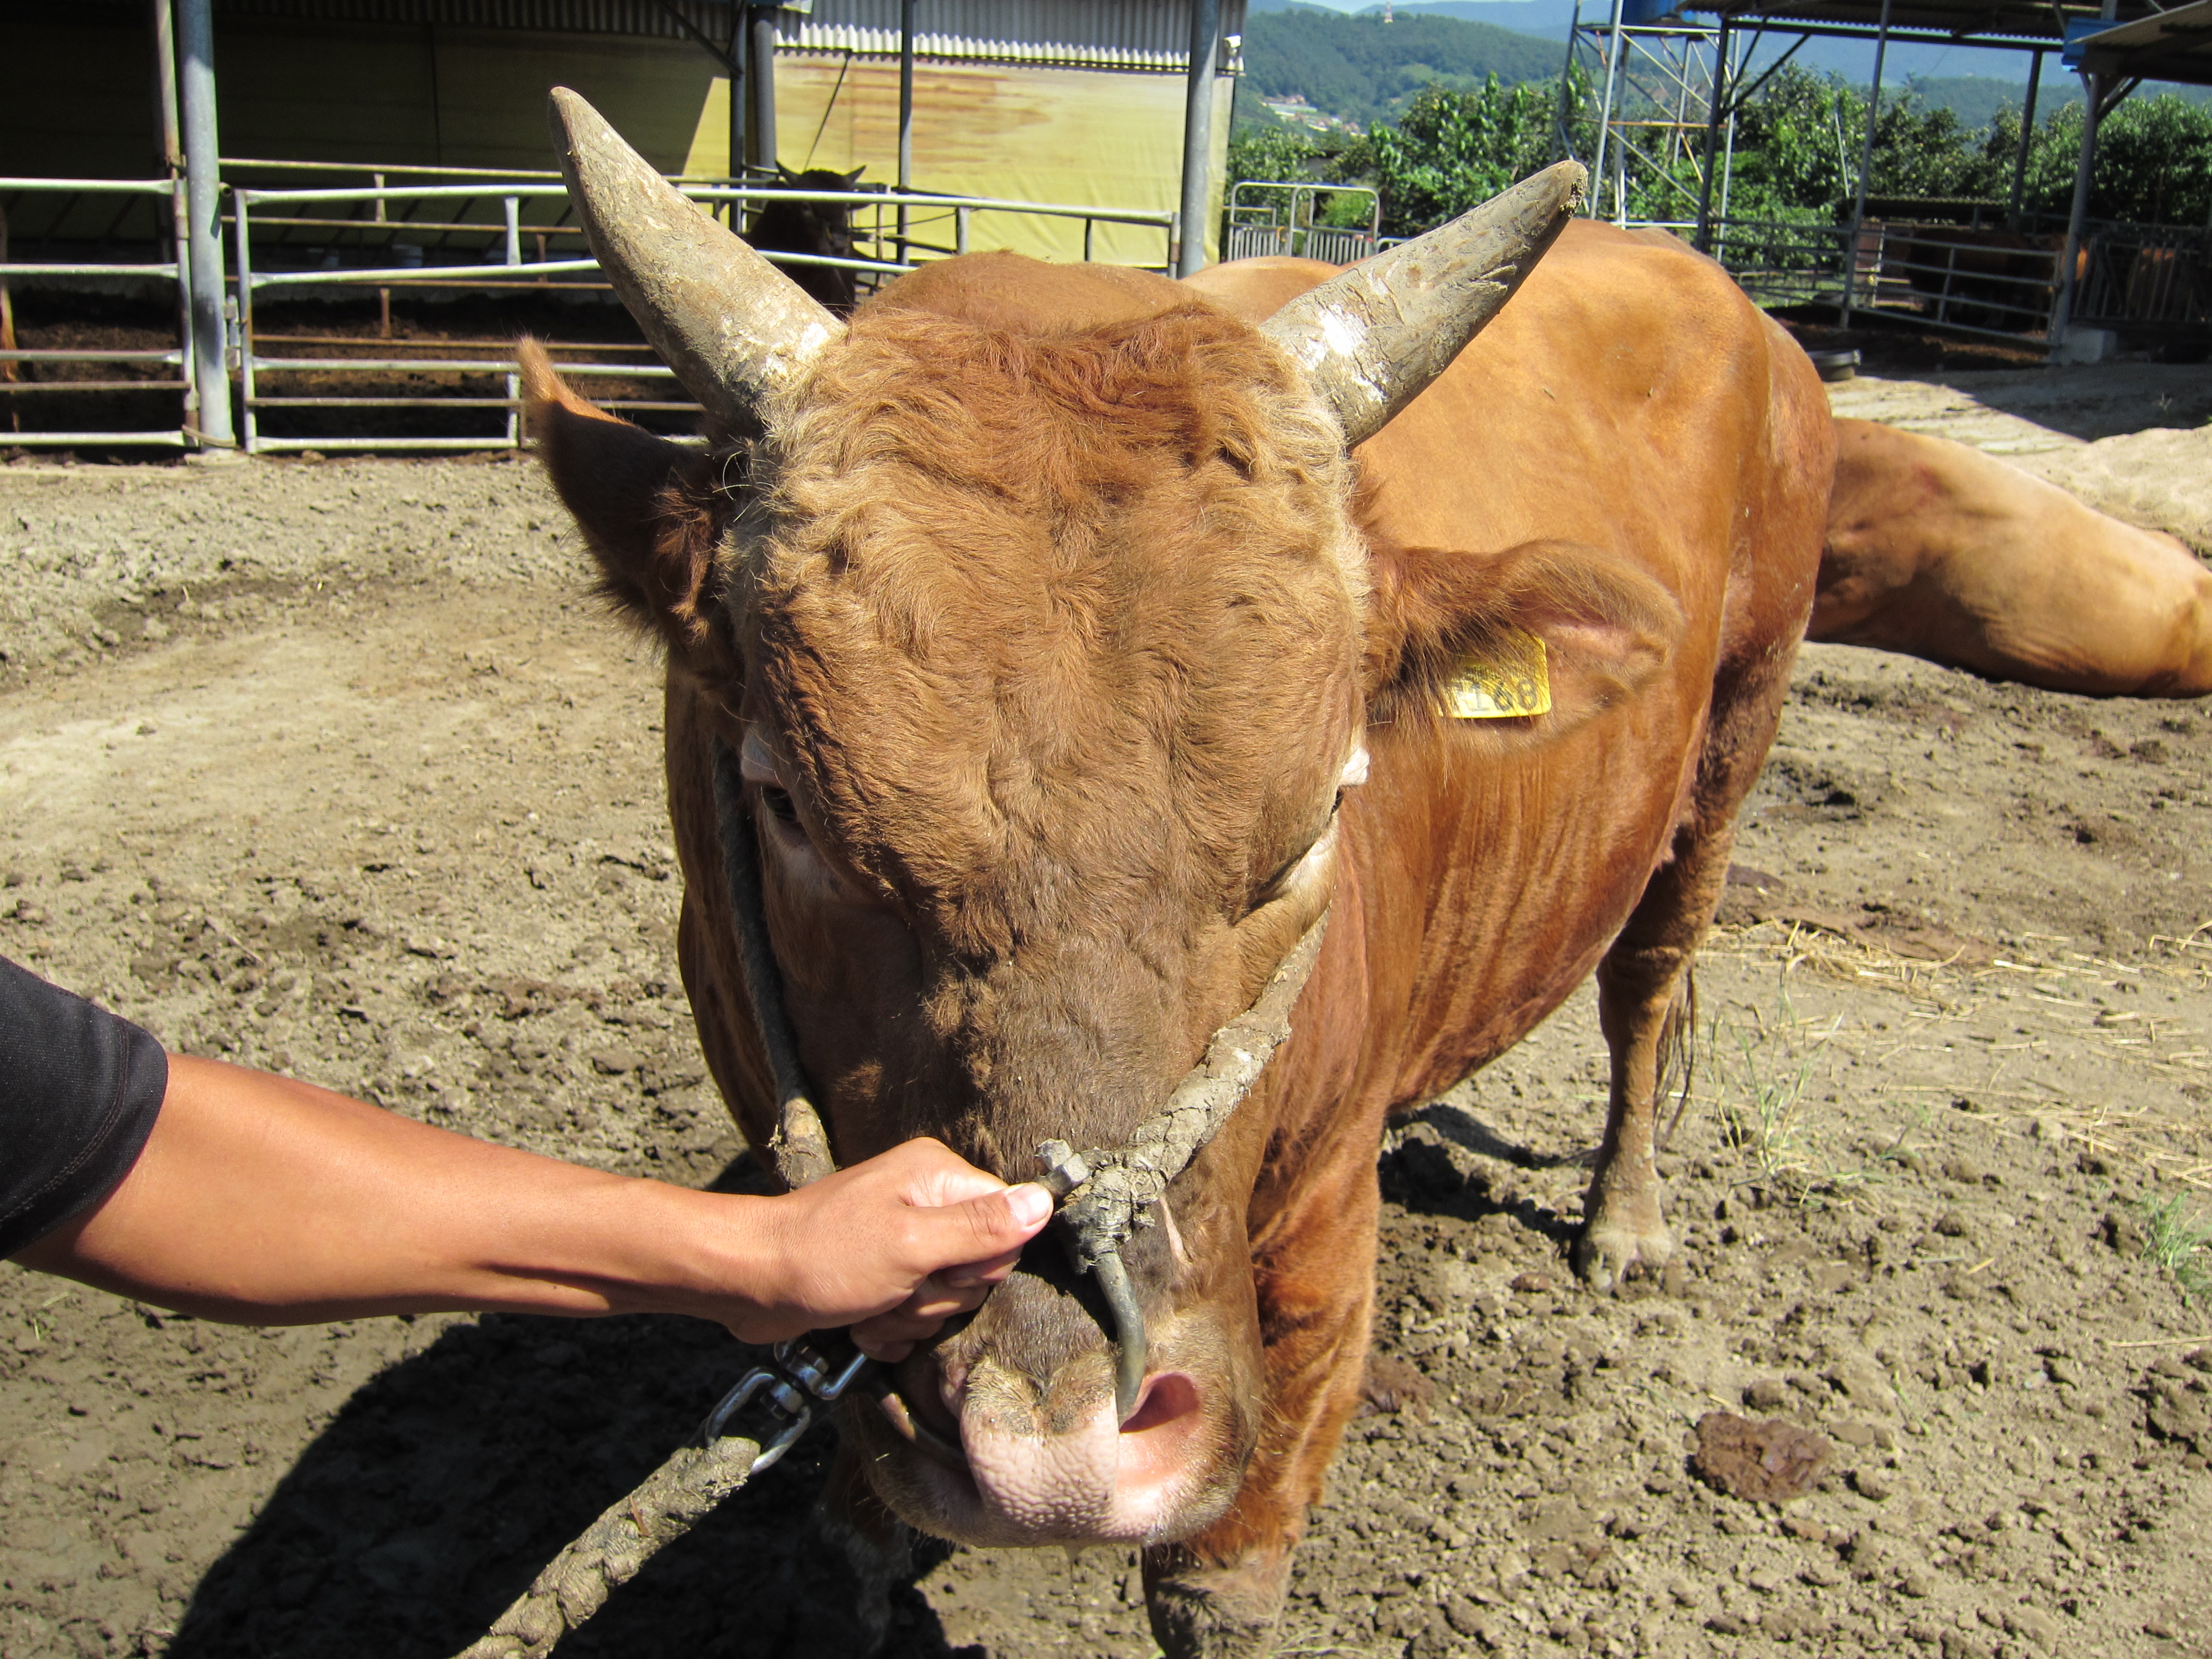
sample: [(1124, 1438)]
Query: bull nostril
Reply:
[(1168, 1398)]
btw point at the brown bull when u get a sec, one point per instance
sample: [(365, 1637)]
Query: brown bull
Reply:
[(2169, 285), (1057, 633), (1989, 277), (1939, 552)]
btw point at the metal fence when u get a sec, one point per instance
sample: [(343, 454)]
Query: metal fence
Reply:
[(409, 232), (1781, 264), (59, 197), (531, 247), (2149, 282), (1986, 282), (1269, 217)]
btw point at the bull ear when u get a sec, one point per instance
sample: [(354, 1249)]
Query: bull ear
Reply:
[(1447, 629), (647, 507)]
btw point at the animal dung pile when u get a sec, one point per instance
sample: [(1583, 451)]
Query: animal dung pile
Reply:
[(1761, 1462)]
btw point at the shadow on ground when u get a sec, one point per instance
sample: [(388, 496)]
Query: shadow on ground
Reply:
[(445, 1483)]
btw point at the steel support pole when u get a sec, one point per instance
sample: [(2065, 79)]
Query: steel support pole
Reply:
[(1197, 135), (2026, 141), (204, 198), (165, 86), (2077, 220), (1717, 97), (1563, 137), (762, 93), (735, 61), (172, 163), (906, 119), (906, 97), (1866, 166), (1605, 120)]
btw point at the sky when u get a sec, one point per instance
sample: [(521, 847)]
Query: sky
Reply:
[(1852, 59)]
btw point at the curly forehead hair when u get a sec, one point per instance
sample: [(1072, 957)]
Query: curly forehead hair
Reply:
[(1057, 561), (1062, 423)]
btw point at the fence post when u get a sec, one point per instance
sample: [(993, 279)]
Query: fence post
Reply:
[(960, 217), (514, 206), (202, 194), (241, 205)]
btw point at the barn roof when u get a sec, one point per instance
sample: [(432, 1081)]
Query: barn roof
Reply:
[(1125, 34), (2141, 38)]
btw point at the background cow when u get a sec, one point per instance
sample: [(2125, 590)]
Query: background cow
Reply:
[(825, 228), (1073, 682), (1938, 550)]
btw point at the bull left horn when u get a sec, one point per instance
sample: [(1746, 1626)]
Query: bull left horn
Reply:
[(733, 327), (1372, 339)]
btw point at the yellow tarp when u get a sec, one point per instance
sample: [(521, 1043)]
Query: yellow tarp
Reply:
[(1085, 137)]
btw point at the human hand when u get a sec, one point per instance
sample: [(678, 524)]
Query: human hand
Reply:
[(893, 1247)]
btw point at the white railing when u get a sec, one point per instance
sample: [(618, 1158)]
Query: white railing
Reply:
[(14, 390), (1283, 218)]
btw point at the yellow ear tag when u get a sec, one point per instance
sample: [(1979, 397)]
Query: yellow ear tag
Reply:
[(1509, 680)]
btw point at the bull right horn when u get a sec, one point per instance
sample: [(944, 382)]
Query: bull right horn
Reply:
[(1372, 339), (733, 327)]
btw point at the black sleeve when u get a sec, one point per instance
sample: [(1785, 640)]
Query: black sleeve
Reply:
[(79, 1092)]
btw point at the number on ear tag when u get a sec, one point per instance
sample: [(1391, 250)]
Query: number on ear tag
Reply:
[(1509, 680)]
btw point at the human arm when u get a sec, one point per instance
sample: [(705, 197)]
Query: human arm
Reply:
[(262, 1199)]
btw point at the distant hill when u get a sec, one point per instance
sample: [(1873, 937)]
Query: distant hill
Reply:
[(1976, 99), (1362, 70), (1348, 64)]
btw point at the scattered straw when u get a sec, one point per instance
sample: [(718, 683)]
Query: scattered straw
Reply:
[(2161, 1342)]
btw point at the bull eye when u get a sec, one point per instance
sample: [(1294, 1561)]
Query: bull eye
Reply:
[(1273, 888), (780, 805)]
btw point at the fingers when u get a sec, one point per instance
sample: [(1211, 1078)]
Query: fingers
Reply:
[(934, 1175), (982, 1274), (921, 1314), (996, 1224)]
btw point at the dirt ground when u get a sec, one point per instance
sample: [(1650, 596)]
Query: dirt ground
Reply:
[(334, 768)]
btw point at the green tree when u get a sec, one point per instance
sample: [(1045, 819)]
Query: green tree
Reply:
[(2154, 162), (1456, 150)]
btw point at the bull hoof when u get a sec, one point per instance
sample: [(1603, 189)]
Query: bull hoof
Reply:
[(1202, 1612), (1609, 1251)]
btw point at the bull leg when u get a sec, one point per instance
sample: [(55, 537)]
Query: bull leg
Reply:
[(1218, 1595), (1642, 983), (1642, 986)]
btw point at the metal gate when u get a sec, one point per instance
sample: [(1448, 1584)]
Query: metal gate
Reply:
[(1276, 216)]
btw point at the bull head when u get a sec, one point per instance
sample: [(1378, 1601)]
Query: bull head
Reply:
[(737, 331)]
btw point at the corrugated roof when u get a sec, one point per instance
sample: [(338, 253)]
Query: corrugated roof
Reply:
[(1995, 22), (2175, 44), (1147, 34), (566, 16), (1134, 35)]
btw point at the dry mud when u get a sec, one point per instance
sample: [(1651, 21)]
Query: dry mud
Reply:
[(335, 769)]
